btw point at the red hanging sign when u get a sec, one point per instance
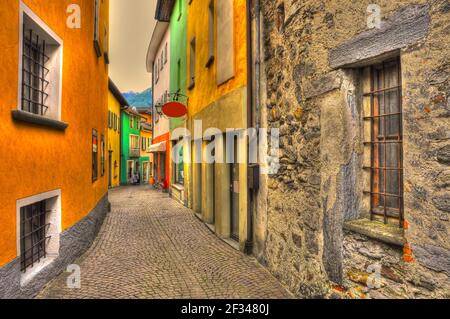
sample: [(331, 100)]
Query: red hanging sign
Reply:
[(174, 109)]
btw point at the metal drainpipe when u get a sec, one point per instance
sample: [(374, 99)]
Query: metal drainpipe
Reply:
[(250, 116), (153, 104), (258, 63)]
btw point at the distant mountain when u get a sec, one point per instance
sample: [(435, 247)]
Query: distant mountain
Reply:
[(143, 99)]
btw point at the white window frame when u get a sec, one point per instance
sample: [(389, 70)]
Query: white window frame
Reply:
[(55, 75), (138, 141), (53, 199)]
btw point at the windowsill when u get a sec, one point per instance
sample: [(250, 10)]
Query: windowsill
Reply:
[(231, 242), (28, 117), (211, 227), (178, 187), (35, 270), (389, 234), (199, 216)]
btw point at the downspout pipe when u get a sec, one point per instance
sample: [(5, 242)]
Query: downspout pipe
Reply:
[(258, 63), (153, 104), (250, 123)]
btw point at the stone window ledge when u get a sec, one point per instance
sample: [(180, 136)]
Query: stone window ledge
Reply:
[(28, 117), (178, 187), (389, 234)]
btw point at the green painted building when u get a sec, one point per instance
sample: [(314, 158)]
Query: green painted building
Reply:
[(130, 145), (178, 84), (178, 54)]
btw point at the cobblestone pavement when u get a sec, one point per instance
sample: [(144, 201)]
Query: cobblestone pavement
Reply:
[(152, 247)]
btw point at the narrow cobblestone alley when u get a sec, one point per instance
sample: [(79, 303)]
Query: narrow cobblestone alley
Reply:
[(152, 247)]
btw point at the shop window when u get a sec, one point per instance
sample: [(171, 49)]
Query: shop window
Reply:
[(178, 166)]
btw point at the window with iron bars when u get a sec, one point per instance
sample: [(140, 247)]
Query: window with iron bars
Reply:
[(386, 143), (33, 234), (34, 73)]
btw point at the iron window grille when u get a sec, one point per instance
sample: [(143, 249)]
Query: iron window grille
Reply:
[(33, 234), (34, 73), (386, 141)]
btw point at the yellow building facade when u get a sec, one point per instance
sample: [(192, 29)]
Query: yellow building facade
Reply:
[(54, 126), (115, 102), (217, 90), (146, 142)]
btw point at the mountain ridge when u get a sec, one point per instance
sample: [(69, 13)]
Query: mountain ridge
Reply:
[(139, 99)]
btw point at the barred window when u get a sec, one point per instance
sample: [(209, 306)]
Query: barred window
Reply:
[(386, 142), (33, 234), (40, 67), (34, 73)]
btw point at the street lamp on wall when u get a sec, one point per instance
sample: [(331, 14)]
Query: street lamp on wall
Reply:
[(174, 105), (158, 108)]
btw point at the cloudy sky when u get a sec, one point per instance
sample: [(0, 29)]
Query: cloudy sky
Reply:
[(131, 26)]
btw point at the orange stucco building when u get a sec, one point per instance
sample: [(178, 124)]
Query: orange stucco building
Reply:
[(54, 130)]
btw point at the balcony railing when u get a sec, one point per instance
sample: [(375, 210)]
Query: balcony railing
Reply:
[(135, 152)]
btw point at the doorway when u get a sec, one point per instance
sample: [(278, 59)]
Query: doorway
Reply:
[(234, 195), (130, 171), (110, 173), (146, 172)]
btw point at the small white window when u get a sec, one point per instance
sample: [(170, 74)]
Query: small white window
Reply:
[(38, 232), (40, 67)]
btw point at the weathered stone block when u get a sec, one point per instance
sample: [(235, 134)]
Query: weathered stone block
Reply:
[(323, 85), (433, 257), (442, 203), (386, 233), (443, 155), (297, 239), (405, 27)]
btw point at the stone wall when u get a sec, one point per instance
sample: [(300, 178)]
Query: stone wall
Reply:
[(389, 275), (73, 243), (311, 80)]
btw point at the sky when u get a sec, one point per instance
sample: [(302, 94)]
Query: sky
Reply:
[(131, 27)]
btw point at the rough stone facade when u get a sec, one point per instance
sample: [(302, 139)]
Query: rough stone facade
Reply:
[(312, 54), (73, 243)]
